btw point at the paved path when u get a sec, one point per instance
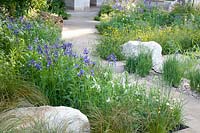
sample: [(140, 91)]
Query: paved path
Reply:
[(80, 30)]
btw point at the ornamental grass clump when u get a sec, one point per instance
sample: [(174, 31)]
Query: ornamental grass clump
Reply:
[(131, 108), (14, 90), (141, 64), (173, 71), (194, 77)]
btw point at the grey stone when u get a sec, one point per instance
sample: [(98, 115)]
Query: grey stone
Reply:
[(60, 119), (133, 48)]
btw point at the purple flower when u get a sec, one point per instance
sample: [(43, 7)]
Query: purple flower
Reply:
[(86, 59), (21, 19), (55, 46), (28, 26), (16, 32), (76, 66), (55, 54), (92, 72), (81, 72), (39, 49), (86, 51), (68, 52), (32, 62), (10, 27), (74, 55), (49, 63), (11, 20), (118, 5), (38, 66), (67, 47), (112, 58), (93, 63), (30, 47), (46, 49)]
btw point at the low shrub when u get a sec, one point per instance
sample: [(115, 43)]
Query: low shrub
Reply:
[(194, 77), (171, 41), (172, 71), (16, 8), (58, 7), (104, 10), (111, 44), (141, 64)]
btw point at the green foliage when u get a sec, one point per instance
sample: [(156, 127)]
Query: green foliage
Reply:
[(17, 8), (38, 62), (140, 64), (172, 71), (20, 33), (104, 10), (175, 31), (194, 77), (149, 112), (14, 90), (58, 7)]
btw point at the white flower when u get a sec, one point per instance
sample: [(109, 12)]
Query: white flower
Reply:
[(157, 100), (108, 100)]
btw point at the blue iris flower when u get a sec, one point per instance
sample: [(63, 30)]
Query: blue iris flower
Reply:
[(46, 49), (49, 63), (28, 26), (39, 49), (86, 59), (112, 58), (10, 27), (30, 47), (81, 72), (86, 51), (16, 32), (92, 72), (38, 66), (76, 66)]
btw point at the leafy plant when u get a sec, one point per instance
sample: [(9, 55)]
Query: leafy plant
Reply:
[(172, 71), (20, 33), (140, 64), (58, 7), (149, 112), (15, 91), (18, 8), (104, 9), (151, 25)]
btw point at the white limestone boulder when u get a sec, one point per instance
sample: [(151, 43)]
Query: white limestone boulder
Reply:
[(133, 48), (59, 119)]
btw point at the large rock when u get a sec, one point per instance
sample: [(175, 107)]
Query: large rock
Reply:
[(59, 119), (133, 48)]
